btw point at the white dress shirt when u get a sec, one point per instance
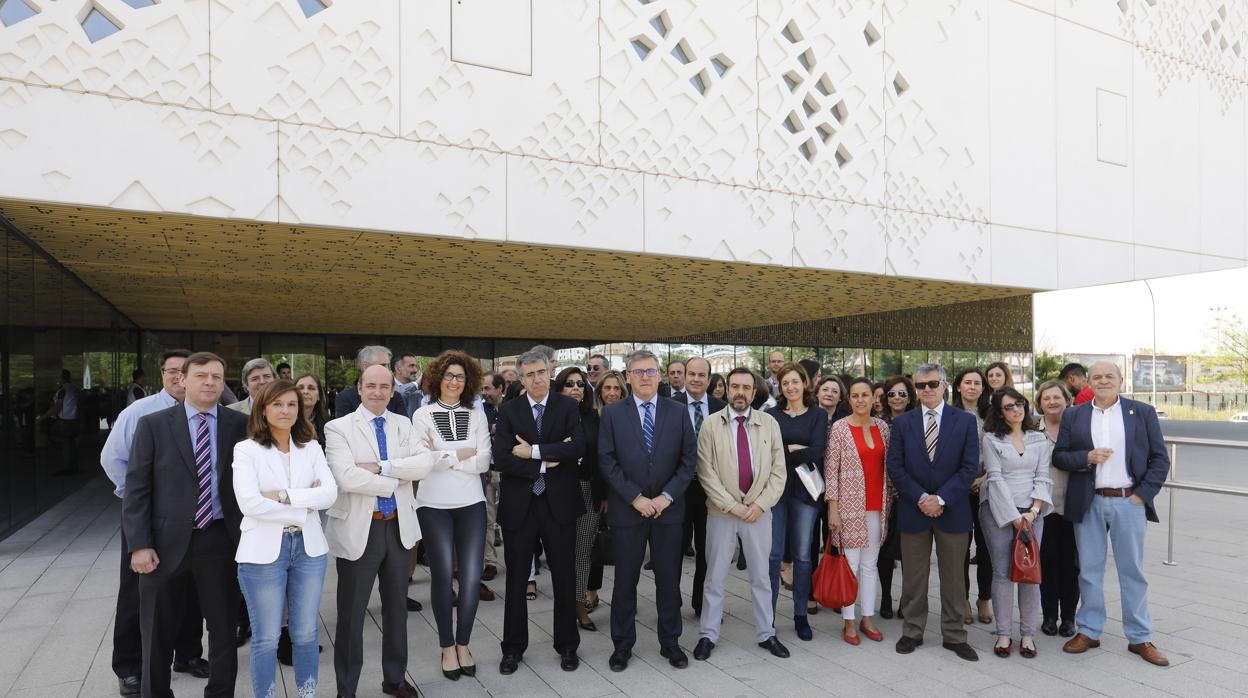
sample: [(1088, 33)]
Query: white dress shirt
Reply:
[(704, 406), (1109, 431)]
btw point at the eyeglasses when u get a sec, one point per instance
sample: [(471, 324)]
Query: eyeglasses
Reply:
[(574, 384), (535, 374), (644, 372), (454, 378), (171, 371), (927, 385), (1013, 406), (897, 393)]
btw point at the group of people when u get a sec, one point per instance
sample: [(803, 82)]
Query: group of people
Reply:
[(251, 499)]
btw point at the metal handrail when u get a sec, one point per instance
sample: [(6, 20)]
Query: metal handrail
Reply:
[(1173, 483)]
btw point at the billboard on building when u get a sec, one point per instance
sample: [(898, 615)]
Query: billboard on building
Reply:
[(1170, 373)]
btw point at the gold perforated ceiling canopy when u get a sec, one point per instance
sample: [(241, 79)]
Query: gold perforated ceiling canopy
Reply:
[(193, 273)]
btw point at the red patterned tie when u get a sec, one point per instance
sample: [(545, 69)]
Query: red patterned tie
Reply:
[(203, 469), (745, 473)]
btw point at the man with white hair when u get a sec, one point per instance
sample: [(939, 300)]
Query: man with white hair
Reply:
[(1113, 449), (256, 374), (348, 400)]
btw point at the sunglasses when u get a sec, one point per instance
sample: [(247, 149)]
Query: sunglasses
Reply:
[(929, 385), (897, 393), (1013, 406), (574, 384)]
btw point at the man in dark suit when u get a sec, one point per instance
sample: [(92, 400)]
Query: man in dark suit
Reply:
[(699, 405), (648, 456), (932, 459), (1113, 449), (180, 519), (675, 384), (537, 443), (348, 401)]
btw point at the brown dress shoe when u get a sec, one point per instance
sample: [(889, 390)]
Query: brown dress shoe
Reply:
[(1150, 653), (486, 594), (1079, 644)]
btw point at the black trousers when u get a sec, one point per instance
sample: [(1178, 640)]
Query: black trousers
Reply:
[(1059, 569), (558, 540), (666, 553), (385, 561), (452, 534), (695, 522), (983, 561), (209, 563), (128, 638)]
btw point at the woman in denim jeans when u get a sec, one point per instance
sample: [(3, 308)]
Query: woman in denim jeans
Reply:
[(281, 481)]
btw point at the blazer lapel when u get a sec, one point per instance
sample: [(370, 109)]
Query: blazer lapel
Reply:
[(658, 422), (1128, 424), (635, 420), (370, 436), (182, 435)]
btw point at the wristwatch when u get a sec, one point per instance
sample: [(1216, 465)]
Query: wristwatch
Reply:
[(1035, 510), (940, 500), (281, 497)]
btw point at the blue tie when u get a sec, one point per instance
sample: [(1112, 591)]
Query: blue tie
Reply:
[(385, 505), (647, 426), (539, 485)]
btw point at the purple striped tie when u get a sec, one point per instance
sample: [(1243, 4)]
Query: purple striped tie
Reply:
[(203, 470)]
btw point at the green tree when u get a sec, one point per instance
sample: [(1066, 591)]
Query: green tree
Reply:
[(1228, 362), (1048, 366)]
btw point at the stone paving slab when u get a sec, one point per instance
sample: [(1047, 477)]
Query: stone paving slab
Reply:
[(58, 582)]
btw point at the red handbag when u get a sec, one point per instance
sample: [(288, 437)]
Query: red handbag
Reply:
[(1025, 562), (833, 583)]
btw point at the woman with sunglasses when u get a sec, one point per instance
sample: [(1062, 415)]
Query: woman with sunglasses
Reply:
[(1018, 495), (969, 394), (573, 382), (898, 396)]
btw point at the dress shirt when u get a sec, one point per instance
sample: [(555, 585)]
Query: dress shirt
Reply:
[(732, 425), (115, 456), (940, 413), (1109, 431), (69, 401), (537, 452), (368, 416), (192, 423), (641, 416), (705, 400)]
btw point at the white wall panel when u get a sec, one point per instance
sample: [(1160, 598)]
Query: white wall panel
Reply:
[(1089, 262), (332, 177), (830, 234), (702, 219), (1022, 92), (559, 203), (1023, 258), (934, 247), (552, 113), (92, 150), (1111, 17), (1093, 197), (1152, 262), (937, 119), (1166, 162), (1223, 174)]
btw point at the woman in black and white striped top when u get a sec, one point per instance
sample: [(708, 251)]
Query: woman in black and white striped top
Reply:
[(450, 503)]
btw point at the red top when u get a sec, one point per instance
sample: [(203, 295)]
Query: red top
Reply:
[(1084, 395), (872, 466)]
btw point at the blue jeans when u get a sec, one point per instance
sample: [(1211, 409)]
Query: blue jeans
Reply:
[(293, 581), (792, 520), (1125, 522), (451, 536)]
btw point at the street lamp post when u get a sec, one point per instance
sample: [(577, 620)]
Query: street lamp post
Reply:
[(1153, 373)]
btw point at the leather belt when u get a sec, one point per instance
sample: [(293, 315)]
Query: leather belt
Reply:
[(378, 516), (292, 529), (1116, 491)]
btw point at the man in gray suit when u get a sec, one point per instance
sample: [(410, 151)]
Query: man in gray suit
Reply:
[(648, 454), (256, 374)]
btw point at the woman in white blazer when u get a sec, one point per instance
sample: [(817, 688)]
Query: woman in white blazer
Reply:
[(281, 481)]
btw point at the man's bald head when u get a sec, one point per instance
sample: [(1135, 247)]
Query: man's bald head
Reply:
[(1105, 379), (376, 388)]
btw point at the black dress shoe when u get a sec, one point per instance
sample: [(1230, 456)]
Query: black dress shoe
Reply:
[(740, 562), (689, 551), (772, 644), (489, 573), (453, 674), (285, 648), (649, 565), (509, 664), (568, 661), (129, 686), (619, 660), (674, 656), (402, 689), (962, 649), (1067, 628), (240, 638), (413, 606), (702, 651), (1049, 627), (886, 610), (906, 645), (197, 667)]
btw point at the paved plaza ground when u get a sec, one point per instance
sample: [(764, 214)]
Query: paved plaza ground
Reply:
[(58, 580)]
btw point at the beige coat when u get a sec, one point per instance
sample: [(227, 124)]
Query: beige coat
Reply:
[(350, 440), (717, 461)]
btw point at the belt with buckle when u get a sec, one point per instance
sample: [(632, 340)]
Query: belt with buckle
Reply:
[(1116, 491), (378, 516), (292, 529)]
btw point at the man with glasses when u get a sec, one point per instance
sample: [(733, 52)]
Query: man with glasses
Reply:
[(595, 367), (648, 455), (115, 458), (537, 443), (932, 459)]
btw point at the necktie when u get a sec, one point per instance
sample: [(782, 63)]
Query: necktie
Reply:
[(386, 505), (930, 435), (539, 485), (203, 471), (647, 426), (745, 473), (697, 417)]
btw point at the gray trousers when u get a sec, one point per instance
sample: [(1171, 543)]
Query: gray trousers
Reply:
[(491, 516), (721, 543), (384, 560), (1000, 542), (916, 566)]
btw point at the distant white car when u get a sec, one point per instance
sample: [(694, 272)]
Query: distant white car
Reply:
[(1240, 418), (1161, 414)]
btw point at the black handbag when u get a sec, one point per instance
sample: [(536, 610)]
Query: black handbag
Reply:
[(603, 552)]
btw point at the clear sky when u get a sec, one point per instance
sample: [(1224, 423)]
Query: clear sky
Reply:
[(1117, 319)]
